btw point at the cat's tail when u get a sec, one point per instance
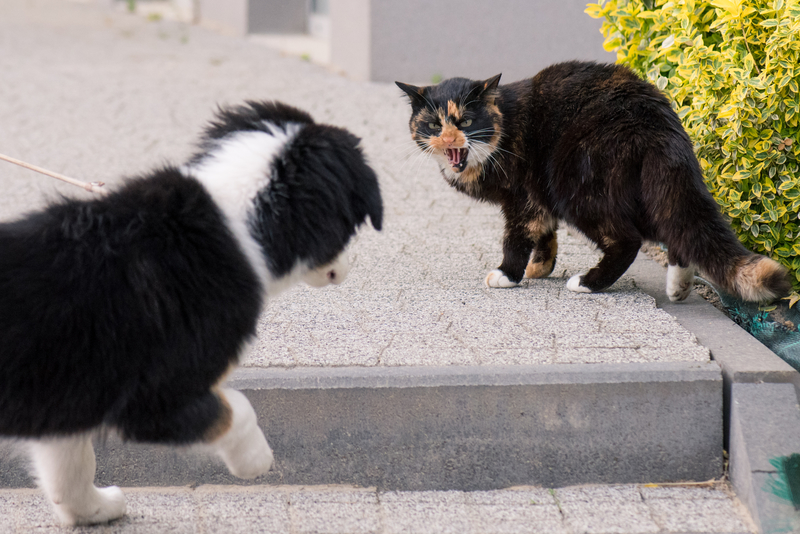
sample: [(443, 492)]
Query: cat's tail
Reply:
[(689, 222), (759, 279)]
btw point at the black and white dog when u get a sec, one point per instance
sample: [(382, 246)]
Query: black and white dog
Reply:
[(126, 311)]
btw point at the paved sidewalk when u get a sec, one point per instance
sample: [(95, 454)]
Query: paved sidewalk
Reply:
[(97, 95), (341, 510)]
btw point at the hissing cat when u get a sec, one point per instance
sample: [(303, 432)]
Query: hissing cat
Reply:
[(599, 148)]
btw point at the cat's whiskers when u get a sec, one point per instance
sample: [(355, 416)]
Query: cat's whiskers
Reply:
[(402, 153), (496, 147), (422, 156), (483, 149), (404, 150)]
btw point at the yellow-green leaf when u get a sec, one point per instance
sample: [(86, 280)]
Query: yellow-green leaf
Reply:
[(594, 11)]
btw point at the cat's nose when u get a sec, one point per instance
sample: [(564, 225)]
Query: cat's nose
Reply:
[(448, 138)]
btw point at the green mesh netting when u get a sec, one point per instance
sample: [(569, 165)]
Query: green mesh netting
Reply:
[(776, 328)]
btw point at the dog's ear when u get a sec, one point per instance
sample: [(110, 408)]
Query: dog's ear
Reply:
[(415, 94)]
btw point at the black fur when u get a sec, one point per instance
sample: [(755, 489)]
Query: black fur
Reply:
[(322, 171), (252, 116), (595, 146), (123, 311), (126, 310), (288, 222)]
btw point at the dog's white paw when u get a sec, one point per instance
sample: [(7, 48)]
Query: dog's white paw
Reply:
[(498, 278), (574, 284), (680, 282), (101, 505), (244, 449)]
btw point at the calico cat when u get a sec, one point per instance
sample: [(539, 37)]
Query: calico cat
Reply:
[(125, 312), (599, 148)]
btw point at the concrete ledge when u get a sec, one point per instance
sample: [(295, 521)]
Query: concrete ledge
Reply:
[(762, 417), (742, 357), (765, 425), (469, 428)]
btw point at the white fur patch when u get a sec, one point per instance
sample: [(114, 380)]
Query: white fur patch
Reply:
[(233, 173), (333, 273), (243, 448), (679, 282), (498, 278), (574, 284), (65, 469)]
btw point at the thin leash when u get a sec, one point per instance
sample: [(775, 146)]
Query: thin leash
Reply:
[(92, 187)]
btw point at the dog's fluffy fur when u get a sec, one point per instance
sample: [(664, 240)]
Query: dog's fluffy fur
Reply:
[(125, 311)]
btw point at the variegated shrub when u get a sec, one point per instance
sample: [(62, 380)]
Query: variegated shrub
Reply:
[(732, 70)]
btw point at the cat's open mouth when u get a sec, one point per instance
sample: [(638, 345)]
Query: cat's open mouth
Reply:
[(457, 157)]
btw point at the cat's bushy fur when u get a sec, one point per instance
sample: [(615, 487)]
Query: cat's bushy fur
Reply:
[(599, 148)]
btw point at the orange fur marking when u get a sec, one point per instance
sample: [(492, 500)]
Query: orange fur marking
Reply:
[(453, 110), (539, 227), (469, 176), (542, 269), (749, 276), (451, 137), (539, 270)]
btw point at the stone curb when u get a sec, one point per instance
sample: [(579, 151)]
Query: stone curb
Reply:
[(762, 416), (467, 428)]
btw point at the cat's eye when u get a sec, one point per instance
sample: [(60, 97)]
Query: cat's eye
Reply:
[(433, 126), (466, 123)]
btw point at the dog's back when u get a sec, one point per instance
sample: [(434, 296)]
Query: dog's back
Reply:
[(106, 301)]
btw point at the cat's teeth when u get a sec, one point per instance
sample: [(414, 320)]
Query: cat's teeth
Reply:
[(455, 155)]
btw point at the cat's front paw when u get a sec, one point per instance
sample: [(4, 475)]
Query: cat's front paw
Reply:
[(576, 284), (498, 278), (99, 505)]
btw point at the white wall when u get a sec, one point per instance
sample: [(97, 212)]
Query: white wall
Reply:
[(415, 40), (350, 34), (227, 16)]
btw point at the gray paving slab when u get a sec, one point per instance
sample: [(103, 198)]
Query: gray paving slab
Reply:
[(345, 510), (99, 95)]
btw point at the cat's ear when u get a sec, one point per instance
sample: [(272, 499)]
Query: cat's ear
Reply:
[(416, 94), (490, 84)]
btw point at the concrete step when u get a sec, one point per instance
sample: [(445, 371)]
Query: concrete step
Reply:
[(459, 428)]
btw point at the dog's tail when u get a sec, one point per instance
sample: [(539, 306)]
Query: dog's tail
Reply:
[(689, 222)]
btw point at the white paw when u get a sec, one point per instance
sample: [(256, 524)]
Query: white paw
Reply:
[(574, 284), (252, 459), (498, 278), (101, 505), (680, 282), (244, 449)]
